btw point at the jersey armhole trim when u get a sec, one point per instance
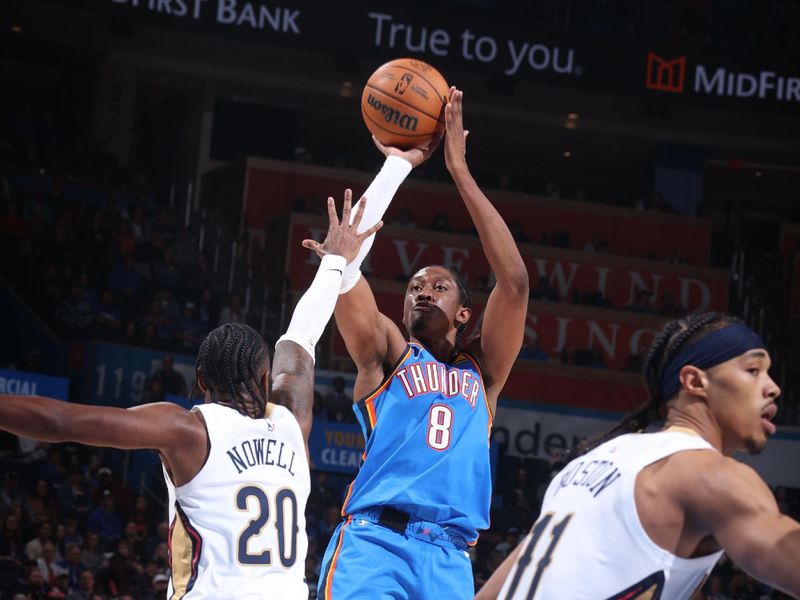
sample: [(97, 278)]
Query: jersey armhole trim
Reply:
[(387, 378), (477, 366)]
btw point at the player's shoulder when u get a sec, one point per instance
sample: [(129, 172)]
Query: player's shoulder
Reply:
[(707, 480)]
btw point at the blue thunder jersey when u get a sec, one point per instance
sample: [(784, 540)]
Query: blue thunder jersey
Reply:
[(427, 444)]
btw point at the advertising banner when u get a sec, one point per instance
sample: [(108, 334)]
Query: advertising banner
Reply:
[(479, 39), (397, 253), (572, 225), (116, 375), (22, 383), (533, 430), (558, 327)]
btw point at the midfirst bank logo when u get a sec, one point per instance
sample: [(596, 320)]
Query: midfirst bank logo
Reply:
[(670, 75)]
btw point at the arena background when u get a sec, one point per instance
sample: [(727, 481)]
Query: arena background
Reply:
[(162, 159)]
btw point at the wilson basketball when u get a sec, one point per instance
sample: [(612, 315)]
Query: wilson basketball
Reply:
[(403, 103)]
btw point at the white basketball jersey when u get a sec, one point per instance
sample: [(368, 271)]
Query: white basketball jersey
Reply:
[(589, 543), (238, 529)]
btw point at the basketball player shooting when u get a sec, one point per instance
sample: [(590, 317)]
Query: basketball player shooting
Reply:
[(236, 466), (647, 515), (425, 404)]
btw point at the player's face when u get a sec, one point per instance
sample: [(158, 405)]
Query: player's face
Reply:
[(432, 302), (742, 399)]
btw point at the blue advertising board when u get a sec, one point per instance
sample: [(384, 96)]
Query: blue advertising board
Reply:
[(116, 375), (22, 383), (335, 447)]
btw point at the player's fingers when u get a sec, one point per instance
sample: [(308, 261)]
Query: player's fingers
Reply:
[(348, 206), (359, 212), (332, 218), (310, 244), (370, 231), (378, 145)]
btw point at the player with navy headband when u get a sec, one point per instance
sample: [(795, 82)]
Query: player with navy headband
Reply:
[(647, 515)]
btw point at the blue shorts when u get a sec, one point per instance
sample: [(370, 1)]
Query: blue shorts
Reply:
[(368, 561)]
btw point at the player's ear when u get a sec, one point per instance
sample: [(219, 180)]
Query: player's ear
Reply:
[(200, 383), (463, 315)]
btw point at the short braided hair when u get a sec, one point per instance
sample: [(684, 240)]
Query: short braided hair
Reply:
[(230, 363)]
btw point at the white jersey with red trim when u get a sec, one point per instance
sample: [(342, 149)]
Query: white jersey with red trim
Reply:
[(589, 542), (238, 529)]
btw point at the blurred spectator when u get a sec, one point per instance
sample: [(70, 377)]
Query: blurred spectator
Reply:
[(11, 539), (518, 232), (73, 566), (125, 278), (158, 587), (596, 244), (166, 274), (107, 318), (40, 505), (532, 350), (10, 494), (403, 219), (86, 587), (35, 585), (643, 302), (153, 391), (232, 312), (441, 222), (184, 249), (91, 554), (73, 496), (160, 538), (191, 329), (75, 313), (339, 403), (130, 334), (105, 522), (543, 292), (158, 319), (510, 541), (47, 564), (551, 190), (173, 382), (34, 548), (207, 309)]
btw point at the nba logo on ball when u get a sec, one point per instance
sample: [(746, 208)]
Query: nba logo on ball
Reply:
[(403, 103)]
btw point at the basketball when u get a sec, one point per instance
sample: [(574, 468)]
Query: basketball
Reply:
[(403, 103)]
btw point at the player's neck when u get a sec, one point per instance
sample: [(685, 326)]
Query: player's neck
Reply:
[(442, 348), (692, 423)]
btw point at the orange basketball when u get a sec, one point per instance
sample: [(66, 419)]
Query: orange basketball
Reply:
[(403, 102)]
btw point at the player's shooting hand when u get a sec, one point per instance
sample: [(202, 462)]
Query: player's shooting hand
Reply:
[(455, 139), (416, 156), (343, 237)]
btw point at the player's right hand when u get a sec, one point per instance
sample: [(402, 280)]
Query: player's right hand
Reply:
[(343, 238), (416, 156)]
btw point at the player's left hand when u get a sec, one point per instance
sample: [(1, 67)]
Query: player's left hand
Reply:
[(343, 237), (455, 142)]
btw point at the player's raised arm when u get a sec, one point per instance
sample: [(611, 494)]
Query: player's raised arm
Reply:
[(293, 366), (504, 316), (372, 339), (743, 516)]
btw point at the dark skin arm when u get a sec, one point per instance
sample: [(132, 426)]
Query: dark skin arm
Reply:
[(506, 309), (740, 511), (177, 434), (373, 341), (293, 367)]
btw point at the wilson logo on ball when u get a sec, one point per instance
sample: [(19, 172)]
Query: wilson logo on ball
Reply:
[(401, 86), (392, 115)]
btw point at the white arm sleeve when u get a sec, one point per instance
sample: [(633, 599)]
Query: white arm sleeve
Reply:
[(315, 308), (379, 194)]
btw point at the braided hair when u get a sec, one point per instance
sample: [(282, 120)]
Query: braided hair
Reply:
[(465, 298), (674, 336), (230, 364)]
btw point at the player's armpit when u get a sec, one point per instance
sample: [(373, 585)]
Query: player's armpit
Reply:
[(293, 383), (741, 513)]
